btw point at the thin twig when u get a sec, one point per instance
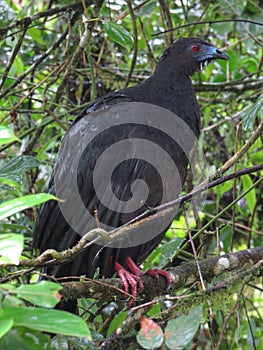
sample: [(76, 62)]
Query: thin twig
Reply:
[(12, 57), (34, 65), (209, 22), (48, 13), (234, 189), (135, 38), (255, 135), (194, 251)]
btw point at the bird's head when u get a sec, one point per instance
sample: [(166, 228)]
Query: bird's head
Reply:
[(189, 55)]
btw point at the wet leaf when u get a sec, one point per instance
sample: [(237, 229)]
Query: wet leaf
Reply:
[(43, 294), (16, 205), (7, 135), (47, 320), (180, 331), (11, 247), (150, 335)]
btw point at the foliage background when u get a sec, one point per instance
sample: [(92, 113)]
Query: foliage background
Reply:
[(56, 57)]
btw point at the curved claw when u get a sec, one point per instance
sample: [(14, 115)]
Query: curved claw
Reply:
[(156, 272)]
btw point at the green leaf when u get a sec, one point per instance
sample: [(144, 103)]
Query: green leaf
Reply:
[(5, 326), (7, 135), (119, 34), (251, 113), (180, 331), (24, 339), (156, 309), (36, 35), (19, 66), (43, 294), (8, 182), (169, 249), (11, 301), (250, 196), (11, 247), (150, 335), (16, 205), (47, 320), (19, 165), (117, 321), (48, 145), (12, 227)]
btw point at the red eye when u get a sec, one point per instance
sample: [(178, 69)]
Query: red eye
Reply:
[(196, 48)]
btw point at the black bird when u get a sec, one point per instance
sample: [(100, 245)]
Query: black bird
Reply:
[(169, 88)]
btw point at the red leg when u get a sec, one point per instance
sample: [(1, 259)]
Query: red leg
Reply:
[(128, 278), (132, 279), (133, 267)]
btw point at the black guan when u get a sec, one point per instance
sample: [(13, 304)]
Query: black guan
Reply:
[(169, 87)]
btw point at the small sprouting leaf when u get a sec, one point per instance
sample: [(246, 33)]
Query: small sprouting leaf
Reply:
[(180, 331), (43, 294), (117, 322), (19, 66), (11, 247), (156, 309), (16, 205), (119, 34), (7, 135), (169, 249), (36, 35), (252, 112), (150, 335)]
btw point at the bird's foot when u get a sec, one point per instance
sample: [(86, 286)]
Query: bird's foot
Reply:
[(156, 272), (130, 280)]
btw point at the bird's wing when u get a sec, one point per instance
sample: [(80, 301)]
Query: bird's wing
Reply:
[(52, 229)]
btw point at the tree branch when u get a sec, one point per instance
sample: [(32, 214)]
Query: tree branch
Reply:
[(241, 262), (52, 257), (183, 303), (233, 86)]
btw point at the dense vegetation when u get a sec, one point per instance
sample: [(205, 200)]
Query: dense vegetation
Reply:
[(56, 58)]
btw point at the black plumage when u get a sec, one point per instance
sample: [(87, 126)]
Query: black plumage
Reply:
[(169, 87)]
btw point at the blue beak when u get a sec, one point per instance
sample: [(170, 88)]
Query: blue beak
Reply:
[(210, 53)]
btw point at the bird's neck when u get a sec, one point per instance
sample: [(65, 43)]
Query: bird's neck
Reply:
[(175, 93), (178, 82)]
